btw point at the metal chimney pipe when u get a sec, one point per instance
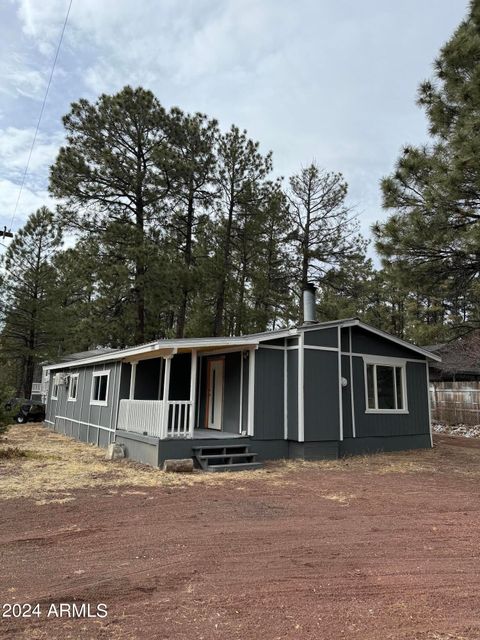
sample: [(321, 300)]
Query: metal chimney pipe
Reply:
[(309, 315)]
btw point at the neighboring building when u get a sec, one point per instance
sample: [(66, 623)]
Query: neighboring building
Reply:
[(455, 381), (460, 360), (320, 390)]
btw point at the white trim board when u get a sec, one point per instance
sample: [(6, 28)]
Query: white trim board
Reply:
[(99, 374), (369, 355), (429, 406), (388, 336), (394, 363), (87, 424), (251, 393), (352, 393), (340, 387), (315, 347), (285, 392), (69, 397), (301, 390)]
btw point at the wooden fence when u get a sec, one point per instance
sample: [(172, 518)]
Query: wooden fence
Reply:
[(455, 402)]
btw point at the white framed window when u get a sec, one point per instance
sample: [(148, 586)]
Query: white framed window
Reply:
[(55, 386), (385, 385), (99, 393), (73, 387)]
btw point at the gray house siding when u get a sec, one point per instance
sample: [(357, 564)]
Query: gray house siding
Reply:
[(79, 418), (231, 395), (321, 414), (347, 399), (415, 422), (292, 394), (369, 343), (322, 337), (269, 390)]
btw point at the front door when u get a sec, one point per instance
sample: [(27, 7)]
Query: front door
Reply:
[(215, 394)]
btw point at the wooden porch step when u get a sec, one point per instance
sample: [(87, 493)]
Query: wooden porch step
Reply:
[(216, 447), (222, 456), (227, 457), (241, 466)]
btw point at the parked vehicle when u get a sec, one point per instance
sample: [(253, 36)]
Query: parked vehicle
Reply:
[(30, 411)]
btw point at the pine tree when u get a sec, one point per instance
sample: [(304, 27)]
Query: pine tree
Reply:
[(192, 139), (325, 232), (114, 171), (434, 192), (240, 169), (29, 303)]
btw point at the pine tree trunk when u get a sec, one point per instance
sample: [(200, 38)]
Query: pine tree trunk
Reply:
[(140, 270), (220, 304), (182, 312)]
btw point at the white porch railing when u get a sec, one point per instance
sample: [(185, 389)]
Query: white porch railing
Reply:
[(148, 416)]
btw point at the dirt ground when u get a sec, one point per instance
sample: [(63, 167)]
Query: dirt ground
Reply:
[(376, 547)]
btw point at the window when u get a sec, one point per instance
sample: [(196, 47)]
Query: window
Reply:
[(55, 388), (100, 388), (73, 386), (385, 387)]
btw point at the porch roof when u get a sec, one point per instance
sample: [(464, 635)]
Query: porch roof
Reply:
[(166, 347)]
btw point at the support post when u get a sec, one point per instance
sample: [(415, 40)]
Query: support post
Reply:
[(240, 409), (251, 391), (133, 377), (193, 387), (340, 388), (166, 394), (429, 402), (301, 388)]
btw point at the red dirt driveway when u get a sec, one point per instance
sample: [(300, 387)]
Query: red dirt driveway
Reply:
[(381, 547)]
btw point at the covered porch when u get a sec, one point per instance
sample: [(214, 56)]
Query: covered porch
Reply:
[(189, 394)]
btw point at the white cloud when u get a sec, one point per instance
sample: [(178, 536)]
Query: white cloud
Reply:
[(15, 147), (334, 80), (29, 202), (20, 77)]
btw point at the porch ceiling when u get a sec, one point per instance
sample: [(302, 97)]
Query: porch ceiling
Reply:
[(209, 349), (150, 355)]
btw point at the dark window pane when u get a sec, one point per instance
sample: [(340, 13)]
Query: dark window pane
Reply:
[(370, 386), (385, 387), (95, 388), (102, 395), (399, 372)]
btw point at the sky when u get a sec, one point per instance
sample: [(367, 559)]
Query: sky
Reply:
[(333, 81)]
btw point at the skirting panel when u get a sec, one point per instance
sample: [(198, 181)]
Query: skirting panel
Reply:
[(313, 450), (352, 446)]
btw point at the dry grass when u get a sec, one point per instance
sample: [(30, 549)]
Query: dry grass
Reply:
[(48, 467), (342, 498)]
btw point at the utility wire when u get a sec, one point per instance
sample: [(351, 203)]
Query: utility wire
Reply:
[(41, 113)]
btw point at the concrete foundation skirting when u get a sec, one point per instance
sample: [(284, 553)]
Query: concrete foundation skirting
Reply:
[(140, 448), (313, 450), (153, 451), (352, 446)]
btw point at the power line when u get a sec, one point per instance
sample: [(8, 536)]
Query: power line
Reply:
[(41, 113)]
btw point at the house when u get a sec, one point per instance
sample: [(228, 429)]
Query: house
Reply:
[(319, 390)]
